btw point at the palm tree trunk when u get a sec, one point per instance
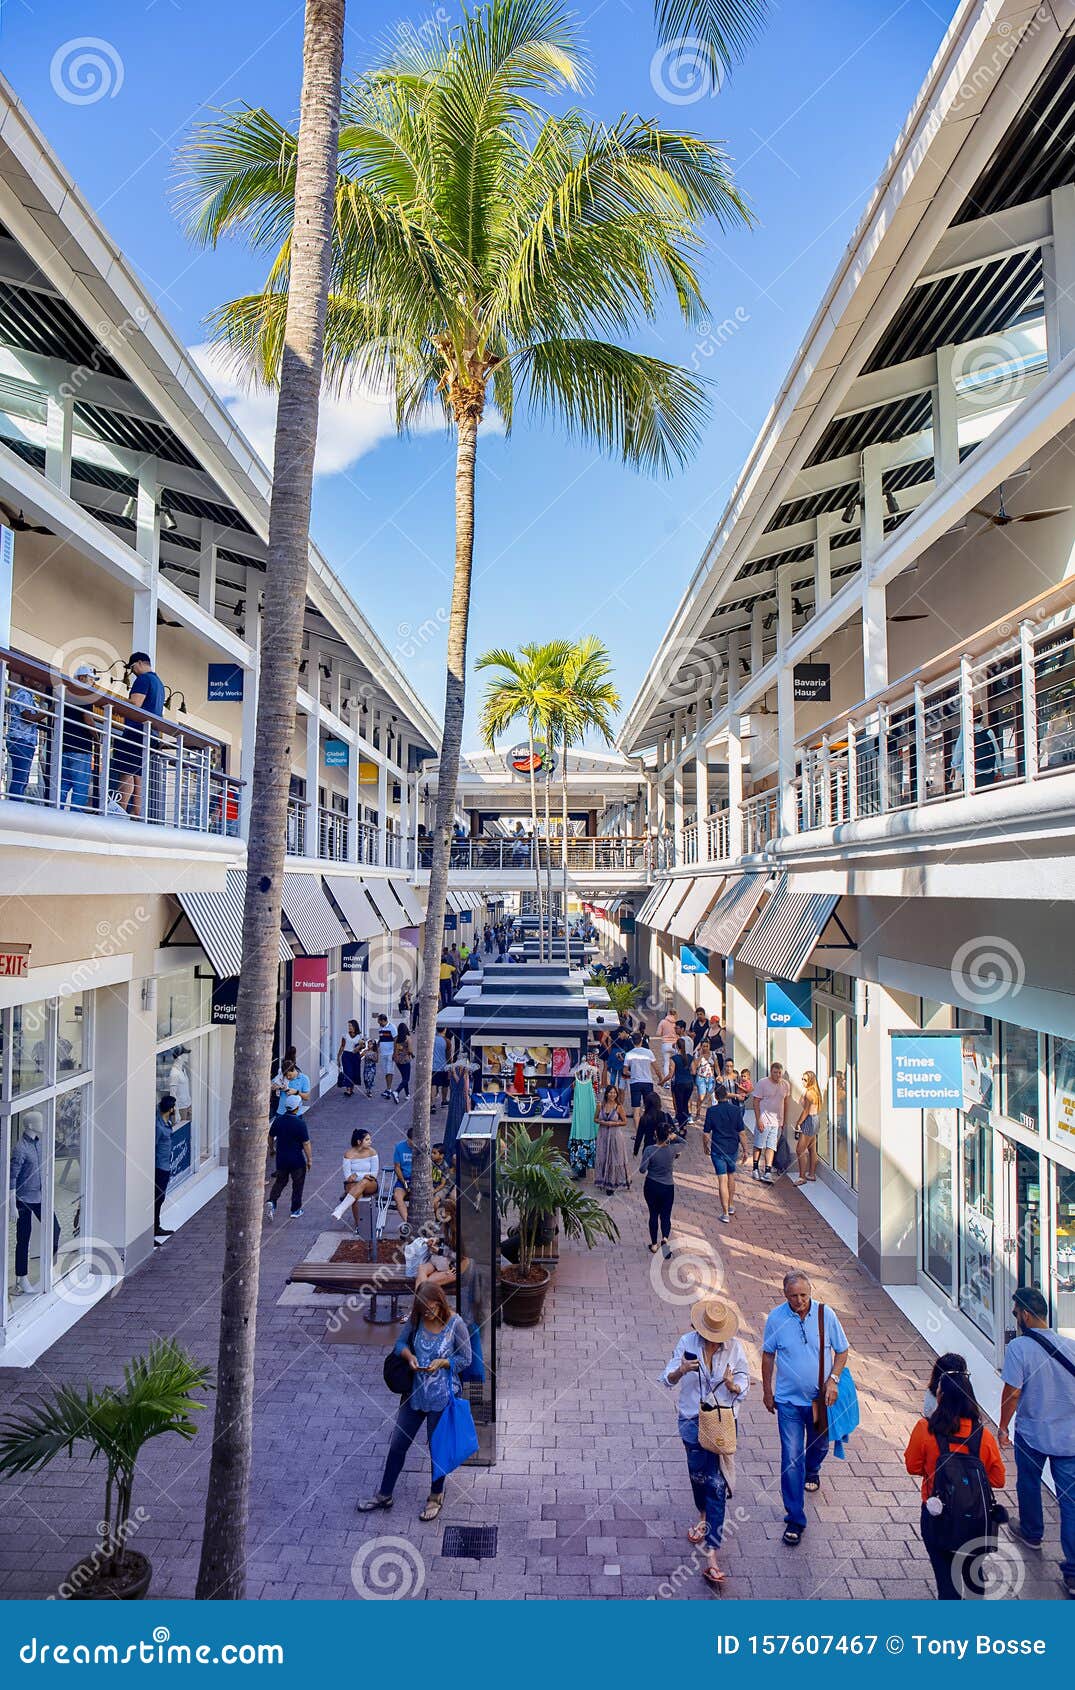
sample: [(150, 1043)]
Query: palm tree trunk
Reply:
[(421, 1201), (534, 842), (548, 839), (563, 847), (222, 1572)]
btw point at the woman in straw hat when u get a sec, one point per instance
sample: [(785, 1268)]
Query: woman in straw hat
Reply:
[(709, 1365)]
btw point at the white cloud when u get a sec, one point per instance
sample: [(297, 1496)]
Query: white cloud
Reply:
[(349, 427)]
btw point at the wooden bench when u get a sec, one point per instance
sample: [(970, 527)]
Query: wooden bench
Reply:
[(360, 1279)]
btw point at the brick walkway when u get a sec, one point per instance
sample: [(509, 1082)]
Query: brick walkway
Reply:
[(590, 1492)]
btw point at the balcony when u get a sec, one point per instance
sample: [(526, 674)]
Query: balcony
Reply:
[(334, 832), (71, 747), (606, 854)]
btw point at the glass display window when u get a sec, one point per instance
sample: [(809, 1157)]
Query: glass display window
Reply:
[(1020, 1075)]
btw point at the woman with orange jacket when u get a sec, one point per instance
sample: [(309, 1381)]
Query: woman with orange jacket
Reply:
[(957, 1423)]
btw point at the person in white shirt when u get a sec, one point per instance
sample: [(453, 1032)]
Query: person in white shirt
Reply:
[(709, 1365), (768, 1098), (638, 1067), (361, 1166), (385, 1033)]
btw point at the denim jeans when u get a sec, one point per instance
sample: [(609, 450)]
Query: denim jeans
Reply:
[(21, 752), (707, 1482), (1029, 1467), (801, 1455), (76, 778), (408, 1425)]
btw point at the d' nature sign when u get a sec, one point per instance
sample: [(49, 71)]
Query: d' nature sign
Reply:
[(927, 1070)]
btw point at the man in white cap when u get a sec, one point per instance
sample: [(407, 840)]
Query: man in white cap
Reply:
[(709, 1365)]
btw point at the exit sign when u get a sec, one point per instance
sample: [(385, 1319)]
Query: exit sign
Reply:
[(14, 962)]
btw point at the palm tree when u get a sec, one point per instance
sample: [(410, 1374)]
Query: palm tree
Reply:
[(586, 699), (524, 688), (485, 252), (305, 274), (712, 34)]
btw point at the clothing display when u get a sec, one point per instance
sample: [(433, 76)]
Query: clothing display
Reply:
[(458, 1104), (582, 1145)]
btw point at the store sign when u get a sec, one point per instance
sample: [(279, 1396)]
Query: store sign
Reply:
[(180, 1145), (335, 754), (627, 922), (521, 760), (225, 683), (1062, 1114), (14, 962), (309, 974), (789, 1003), (449, 923), (355, 958), (812, 683), (225, 1002), (409, 936), (693, 959), (466, 915), (927, 1070)]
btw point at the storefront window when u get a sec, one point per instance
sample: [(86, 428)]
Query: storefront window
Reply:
[(72, 1134), (1019, 1065), (72, 1045), (28, 1173), (30, 1046), (182, 1073), (1062, 1091), (938, 1232), (183, 1002), (976, 1220), (1063, 1287)]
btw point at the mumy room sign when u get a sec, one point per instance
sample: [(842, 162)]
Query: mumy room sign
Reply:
[(14, 962)]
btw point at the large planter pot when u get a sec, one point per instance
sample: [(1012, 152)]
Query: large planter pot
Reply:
[(89, 1583), (522, 1302)]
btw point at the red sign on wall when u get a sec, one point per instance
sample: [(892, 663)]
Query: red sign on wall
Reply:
[(309, 974)]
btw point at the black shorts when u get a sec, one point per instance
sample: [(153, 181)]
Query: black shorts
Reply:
[(640, 1090), (440, 1078)]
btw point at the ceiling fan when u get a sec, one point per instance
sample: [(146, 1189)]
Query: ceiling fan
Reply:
[(1003, 517), (162, 621), (18, 523)]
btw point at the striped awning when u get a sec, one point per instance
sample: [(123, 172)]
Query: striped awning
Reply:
[(650, 902), (217, 919), (674, 893), (785, 934), (389, 907), (727, 921), (696, 904), (359, 914), (310, 916), (412, 909)]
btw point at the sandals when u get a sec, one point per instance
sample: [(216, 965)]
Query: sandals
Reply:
[(433, 1506), (792, 1537), (812, 1485), (653, 1248), (714, 1577), (696, 1533), (373, 1502)]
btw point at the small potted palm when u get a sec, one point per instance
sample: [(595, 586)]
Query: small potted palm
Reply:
[(536, 1182), (156, 1397)]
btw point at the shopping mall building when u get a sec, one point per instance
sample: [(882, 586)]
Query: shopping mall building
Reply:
[(135, 518), (859, 728)]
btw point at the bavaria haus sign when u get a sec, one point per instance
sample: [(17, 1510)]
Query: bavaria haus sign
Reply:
[(812, 683)]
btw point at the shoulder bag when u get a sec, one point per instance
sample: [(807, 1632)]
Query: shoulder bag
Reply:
[(397, 1371), (1044, 1342), (716, 1423), (821, 1412)]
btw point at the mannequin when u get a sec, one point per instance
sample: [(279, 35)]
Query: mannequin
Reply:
[(179, 1083), (27, 1157)]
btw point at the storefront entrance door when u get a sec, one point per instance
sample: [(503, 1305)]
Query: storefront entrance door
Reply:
[(1020, 1226)]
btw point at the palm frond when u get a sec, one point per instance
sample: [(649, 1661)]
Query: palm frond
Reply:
[(722, 29)]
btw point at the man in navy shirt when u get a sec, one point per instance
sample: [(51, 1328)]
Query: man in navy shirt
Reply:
[(791, 1350), (720, 1138), (294, 1158)]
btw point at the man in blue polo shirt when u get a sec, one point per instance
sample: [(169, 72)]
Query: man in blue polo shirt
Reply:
[(1039, 1389), (791, 1351), (403, 1162)]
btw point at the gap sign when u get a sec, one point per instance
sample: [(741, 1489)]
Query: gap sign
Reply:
[(927, 1070), (693, 959), (789, 1003)]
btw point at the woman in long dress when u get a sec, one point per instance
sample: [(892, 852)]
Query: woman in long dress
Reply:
[(458, 1103), (610, 1164), (582, 1145)]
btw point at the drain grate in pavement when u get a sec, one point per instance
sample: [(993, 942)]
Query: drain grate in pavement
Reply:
[(469, 1543)]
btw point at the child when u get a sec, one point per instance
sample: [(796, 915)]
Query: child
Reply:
[(369, 1066)]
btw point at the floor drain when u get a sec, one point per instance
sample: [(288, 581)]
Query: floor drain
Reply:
[(469, 1543)]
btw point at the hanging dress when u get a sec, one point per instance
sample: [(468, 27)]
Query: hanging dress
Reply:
[(582, 1145), (610, 1163), (458, 1104)]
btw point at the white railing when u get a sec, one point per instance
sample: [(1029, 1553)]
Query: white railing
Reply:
[(761, 821), (67, 744), (718, 827), (689, 849), (584, 852)]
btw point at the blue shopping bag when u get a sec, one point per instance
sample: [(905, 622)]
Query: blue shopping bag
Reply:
[(454, 1439)]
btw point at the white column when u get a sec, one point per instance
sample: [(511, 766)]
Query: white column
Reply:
[(677, 810), (822, 559), (735, 788), (874, 639), (701, 788), (382, 803), (1058, 263), (59, 419), (354, 803), (945, 419), (7, 582), (207, 565), (757, 637), (785, 742), (147, 545), (312, 845)]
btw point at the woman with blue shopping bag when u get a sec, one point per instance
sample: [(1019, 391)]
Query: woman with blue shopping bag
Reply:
[(435, 1347)]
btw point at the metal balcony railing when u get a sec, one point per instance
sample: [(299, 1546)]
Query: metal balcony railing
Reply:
[(603, 852), (69, 745), (719, 830)]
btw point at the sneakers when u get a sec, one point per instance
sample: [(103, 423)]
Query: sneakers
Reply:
[(166, 1232), (270, 1211), (754, 1172), (297, 1214), (666, 1251), (1016, 1531), (725, 1220), (766, 1178)]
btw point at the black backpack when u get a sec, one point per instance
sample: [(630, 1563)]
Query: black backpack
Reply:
[(398, 1372), (961, 1487)]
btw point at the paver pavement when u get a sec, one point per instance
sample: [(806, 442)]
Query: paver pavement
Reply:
[(590, 1490)]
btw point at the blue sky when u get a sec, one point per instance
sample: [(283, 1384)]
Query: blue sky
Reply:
[(568, 543)]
